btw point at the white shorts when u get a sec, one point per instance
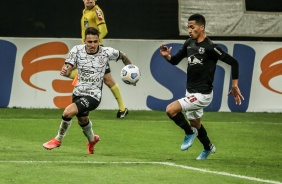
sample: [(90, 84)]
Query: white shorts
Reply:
[(194, 103)]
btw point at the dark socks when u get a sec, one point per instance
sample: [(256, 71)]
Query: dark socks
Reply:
[(180, 121), (66, 119), (203, 137)]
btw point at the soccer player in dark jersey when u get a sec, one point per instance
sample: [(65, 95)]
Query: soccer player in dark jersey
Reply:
[(202, 55), (91, 61)]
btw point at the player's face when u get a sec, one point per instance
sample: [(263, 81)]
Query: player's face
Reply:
[(89, 3), (92, 43), (195, 30)]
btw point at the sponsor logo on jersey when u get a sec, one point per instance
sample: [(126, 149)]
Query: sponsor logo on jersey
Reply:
[(215, 49), (192, 60), (99, 14), (201, 50), (84, 102), (87, 71)]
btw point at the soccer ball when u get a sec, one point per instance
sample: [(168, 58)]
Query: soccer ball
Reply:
[(130, 74)]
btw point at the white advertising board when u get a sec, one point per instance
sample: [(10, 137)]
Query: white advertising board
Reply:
[(29, 75)]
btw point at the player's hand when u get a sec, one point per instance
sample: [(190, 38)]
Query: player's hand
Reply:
[(65, 71), (238, 97), (165, 51)]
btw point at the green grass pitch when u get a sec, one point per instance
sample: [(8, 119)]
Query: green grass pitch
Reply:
[(142, 148)]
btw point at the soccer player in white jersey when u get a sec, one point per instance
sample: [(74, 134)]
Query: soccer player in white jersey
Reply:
[(91, 61), (93, 16)]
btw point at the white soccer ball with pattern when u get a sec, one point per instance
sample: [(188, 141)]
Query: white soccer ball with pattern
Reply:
[(130, 74)]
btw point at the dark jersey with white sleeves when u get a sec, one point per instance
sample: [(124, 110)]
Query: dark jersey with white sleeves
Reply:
[(91, 69), (202, 58)]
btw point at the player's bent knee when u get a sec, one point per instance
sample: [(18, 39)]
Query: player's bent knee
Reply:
[(195, 123), (67, 114), (170, 112), (108, 80), (70, 111), (83, 120), (109, 83)]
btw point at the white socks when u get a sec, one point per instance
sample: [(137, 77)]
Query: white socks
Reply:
[(63, 129), (88, 131)]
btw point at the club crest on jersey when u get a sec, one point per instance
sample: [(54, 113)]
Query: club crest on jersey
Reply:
[(101, 60), (201, 50), (86, 23)]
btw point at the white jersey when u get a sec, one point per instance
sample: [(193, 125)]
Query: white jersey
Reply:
[(91, 69)]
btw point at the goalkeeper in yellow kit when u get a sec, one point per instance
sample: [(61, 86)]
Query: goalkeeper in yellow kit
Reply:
[(93, 16)]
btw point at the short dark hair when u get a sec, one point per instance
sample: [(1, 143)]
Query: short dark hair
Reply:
[(91, 31), (199, 19)]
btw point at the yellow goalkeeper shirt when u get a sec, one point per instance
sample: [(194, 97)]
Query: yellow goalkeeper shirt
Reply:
[(93, 18)]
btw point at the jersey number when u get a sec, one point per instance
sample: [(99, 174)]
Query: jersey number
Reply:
[(192, 98)]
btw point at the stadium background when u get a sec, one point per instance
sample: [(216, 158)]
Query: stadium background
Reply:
[(126, 19), (137, 27), (249, 144)]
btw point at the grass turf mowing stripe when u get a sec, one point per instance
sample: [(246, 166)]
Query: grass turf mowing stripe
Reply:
[(159, 163)]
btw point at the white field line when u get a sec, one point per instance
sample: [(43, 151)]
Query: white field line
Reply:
[(221, 173), (109, 120), (158, 163)]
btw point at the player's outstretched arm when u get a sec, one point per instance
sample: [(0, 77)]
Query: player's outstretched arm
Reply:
[(124, 58), (235, 91)]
